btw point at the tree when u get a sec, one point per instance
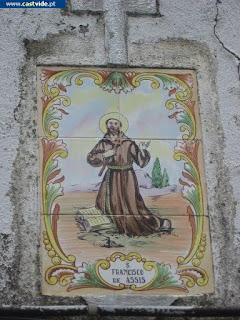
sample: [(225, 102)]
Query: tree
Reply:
[(165, 179), (157, 179)]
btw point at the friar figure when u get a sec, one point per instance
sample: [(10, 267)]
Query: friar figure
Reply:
[(119, 197)]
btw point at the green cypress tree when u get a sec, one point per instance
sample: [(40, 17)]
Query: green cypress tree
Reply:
[(165, 182), (157, 179)]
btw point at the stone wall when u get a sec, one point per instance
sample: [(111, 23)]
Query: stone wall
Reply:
[(200, 35)]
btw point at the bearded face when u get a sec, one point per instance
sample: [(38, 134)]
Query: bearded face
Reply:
[(113, 126)]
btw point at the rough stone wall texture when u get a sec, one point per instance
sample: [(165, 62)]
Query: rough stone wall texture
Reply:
[(201, 35)]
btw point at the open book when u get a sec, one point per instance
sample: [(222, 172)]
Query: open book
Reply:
[(92, 219)]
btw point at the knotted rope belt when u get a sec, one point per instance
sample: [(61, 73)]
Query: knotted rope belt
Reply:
[(120, 167)]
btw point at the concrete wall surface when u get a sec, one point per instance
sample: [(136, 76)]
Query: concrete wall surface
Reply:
[(200, 35)]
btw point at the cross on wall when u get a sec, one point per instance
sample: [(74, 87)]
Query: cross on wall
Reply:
[(115, 14)]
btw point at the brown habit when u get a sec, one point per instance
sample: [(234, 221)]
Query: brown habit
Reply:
[(119, 196)]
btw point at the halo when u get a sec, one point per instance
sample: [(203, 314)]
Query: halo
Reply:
[(113, 115)]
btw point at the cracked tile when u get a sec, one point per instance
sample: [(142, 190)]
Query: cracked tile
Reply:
[(77, 108), (168, 102), (164, 179), (76, 176), (74, 243), (183, 251)]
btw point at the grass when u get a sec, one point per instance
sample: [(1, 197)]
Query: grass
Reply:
[(114, 239)]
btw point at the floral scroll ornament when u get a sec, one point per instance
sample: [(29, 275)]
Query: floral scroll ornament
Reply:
[(51, 190), (55, 100), (89, 275), (54, 107), (192, 191)]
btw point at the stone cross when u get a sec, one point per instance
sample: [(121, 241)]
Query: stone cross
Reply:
[(115, 15)]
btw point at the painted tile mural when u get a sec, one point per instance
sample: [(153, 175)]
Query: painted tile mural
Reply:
[(123, 196)]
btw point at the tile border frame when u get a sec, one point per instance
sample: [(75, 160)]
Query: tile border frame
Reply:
[(58, 150)]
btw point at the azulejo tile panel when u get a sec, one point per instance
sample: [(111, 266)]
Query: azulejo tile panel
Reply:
[(123, 197)]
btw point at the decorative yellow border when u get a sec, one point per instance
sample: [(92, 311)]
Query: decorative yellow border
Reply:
[(90, 276), (54, 86)]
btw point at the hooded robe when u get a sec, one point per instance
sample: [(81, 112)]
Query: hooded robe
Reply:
[(119, 197)]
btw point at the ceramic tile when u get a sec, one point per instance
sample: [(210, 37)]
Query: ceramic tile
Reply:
[(73, 176), (75, 245), (154, 103), (76, 261), (167, 179), (72, 104), (162, 105), (181, 257)]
